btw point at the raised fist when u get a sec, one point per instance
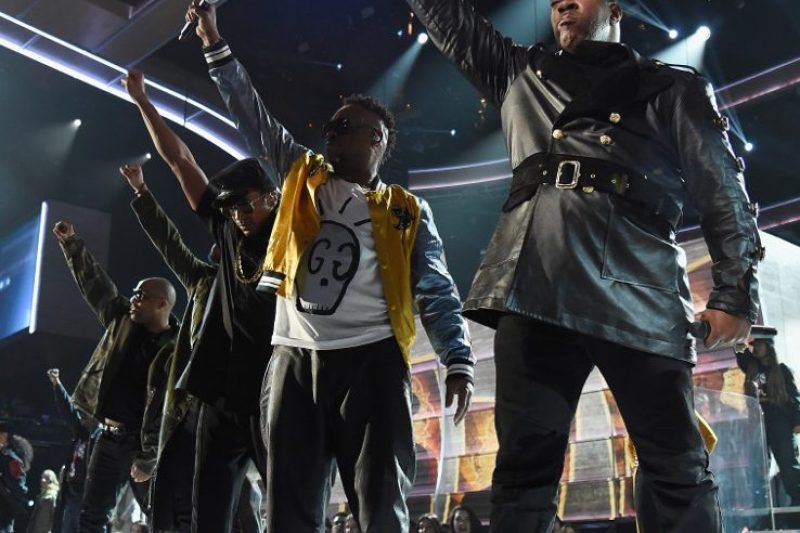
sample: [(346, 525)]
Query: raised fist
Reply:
[(63, 231), (134, 175)]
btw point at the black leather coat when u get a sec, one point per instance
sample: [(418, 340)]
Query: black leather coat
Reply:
[(586, 260)]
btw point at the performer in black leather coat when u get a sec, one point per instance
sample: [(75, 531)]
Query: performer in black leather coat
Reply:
[(583, 269)]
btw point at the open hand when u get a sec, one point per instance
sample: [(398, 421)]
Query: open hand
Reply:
[(134, 175), (462, 387), (63, 231)]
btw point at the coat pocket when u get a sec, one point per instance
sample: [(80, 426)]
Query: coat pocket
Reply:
[(635, 256)]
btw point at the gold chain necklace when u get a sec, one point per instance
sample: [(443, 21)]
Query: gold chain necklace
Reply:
[(240, 275)]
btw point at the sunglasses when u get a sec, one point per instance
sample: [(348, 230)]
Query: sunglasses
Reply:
[(343, 126), (248, 207)]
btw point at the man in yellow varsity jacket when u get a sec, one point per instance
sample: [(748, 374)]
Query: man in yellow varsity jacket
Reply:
[(349, 258)]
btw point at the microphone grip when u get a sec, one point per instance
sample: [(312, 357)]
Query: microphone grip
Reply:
[(700, 329), (189, 27)]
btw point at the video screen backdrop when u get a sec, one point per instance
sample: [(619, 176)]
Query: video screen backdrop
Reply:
[(18, 251), (454, 464)]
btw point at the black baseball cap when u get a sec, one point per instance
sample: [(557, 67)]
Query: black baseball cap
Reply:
[(235, 181)]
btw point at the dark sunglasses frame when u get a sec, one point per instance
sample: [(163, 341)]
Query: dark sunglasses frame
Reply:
[(248, 206), (343, 126)]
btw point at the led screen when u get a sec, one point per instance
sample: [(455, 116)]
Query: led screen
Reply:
[(17, 276)]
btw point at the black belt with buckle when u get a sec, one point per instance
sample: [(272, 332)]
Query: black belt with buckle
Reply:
[(589, 174)]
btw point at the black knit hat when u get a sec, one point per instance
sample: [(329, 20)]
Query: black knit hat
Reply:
[(6, 426)]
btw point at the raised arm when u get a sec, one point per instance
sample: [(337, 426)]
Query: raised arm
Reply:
[(171, 148), (96, 287), (265, 137), (489, 60), (162, 232), (439, 308), (64, 406), (715, 183)]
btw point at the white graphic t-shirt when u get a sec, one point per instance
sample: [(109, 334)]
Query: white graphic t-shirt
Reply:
[(338, 299)]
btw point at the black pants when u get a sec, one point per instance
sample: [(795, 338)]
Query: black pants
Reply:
[(355, 407), (108, 470), (172, 494), (68, 509), (226, 443), (782, 444), (541, 370)]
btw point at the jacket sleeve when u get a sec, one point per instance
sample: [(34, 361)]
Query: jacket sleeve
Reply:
[(437, 299), (68, 412), (794, 394), (715, 183), (147, 457), (488, 60), (167, 240), (94, 283), (265, 137)]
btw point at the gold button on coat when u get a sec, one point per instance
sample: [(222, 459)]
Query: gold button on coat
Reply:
[(615, 117), (558, 134), (606, 140)]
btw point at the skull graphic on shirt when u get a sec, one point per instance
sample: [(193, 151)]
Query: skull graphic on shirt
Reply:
[(330, 264)]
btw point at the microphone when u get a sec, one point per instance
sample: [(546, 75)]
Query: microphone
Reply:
[(700, 329), (191, 25)]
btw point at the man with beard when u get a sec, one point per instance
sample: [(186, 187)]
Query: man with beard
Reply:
[(115, 387), (583, 269), (232, 349), (349, 258)]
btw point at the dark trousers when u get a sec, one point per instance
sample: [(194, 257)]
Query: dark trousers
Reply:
[(353, 406), (541, 370), (782, 444), (108, 470), (172, 494), (226, 443), (68, 510)]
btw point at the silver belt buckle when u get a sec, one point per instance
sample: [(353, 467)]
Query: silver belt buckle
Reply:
[(576, 174)]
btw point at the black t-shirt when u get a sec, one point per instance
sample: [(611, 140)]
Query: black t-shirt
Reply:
[(126, 392), (234, 345)]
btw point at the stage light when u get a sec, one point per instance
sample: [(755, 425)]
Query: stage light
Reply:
[(453, 133), (148, 156), (748, 146), (422, 38), (704, 33), (399, 33), (673, 34), (77, 123), (339, 66)]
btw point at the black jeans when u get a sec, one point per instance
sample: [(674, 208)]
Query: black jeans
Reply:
[(781, 442), (108, 470), (226, 443), (352, 405), (172, 494), (541, 370)]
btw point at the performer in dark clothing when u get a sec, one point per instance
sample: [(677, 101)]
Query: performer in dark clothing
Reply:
[(773, 384), (85, 432), (120, 382), (583, 269), (233, 347), (14, 500), (171, 489)]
